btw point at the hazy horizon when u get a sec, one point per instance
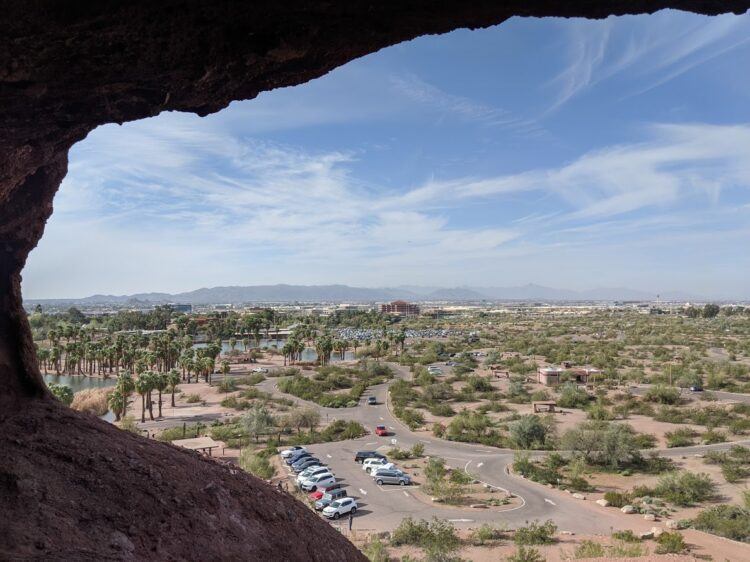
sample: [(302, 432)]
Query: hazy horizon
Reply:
[(567, 153)]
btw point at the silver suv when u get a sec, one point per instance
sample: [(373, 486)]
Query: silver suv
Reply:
[(392, 477)]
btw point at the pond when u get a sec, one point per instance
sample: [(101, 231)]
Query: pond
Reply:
[(79, 382)]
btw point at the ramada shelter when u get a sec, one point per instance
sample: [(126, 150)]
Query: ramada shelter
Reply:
[(551, 376)]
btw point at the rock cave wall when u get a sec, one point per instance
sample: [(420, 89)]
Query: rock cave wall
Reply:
[(67, 67)]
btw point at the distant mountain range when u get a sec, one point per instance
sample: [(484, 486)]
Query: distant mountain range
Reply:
[(345, 293)]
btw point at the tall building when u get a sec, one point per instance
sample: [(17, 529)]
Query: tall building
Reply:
[(401, 308)]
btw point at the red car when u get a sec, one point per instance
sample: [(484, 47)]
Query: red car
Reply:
[(317, 494), (381, 431)]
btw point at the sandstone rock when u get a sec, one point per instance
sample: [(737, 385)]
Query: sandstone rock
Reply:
[(579, 496), (602, 502), (479, 506), (657, 532), (646, 535), (650, 517), (628, 509)]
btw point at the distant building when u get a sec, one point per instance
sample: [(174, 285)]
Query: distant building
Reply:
[(549, 376), (401, 308), (182, 307)]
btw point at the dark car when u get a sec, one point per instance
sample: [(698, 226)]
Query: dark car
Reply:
[(329, 497), (372, 400), (298, 457), (362, 455), (696, 388), (297, 468)]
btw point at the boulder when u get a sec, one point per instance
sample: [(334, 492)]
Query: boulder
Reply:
[(646, 535), (657, 532), (479, 506), (628, 509), (602, 502), (650, 517), (579, 496)]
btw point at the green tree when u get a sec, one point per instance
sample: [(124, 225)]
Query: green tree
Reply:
[(257, 421), (62, 392), (173, 379)]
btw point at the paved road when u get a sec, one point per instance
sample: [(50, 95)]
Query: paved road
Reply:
[(640, 390), (385, 507)]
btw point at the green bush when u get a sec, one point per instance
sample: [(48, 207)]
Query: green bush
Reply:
[(685, 488), (589, 549), (442, 409), (523, 554), (617, 499), (376, 551), (192, 398), (730, 521), (572, 396), (663, 395), (228, 385), (484, 534), (626, 536), (535, 533), (670, 543), (256, 464), (682, 437), (417, 450), (435, 535)]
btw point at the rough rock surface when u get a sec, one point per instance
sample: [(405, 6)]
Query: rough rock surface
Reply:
[(67, 67), (99, 493)]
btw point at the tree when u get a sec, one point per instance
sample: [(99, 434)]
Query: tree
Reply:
[(125, 386), (602, 443), (116, 403), (160, 384), (142, 386), (173, 379), (310, 418), (710, 310), (529, 432), (257, 421)]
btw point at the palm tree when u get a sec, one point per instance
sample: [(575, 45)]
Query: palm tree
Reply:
[(125, 386), (160, 384), (116, 403), (142, 386), (173, 379)]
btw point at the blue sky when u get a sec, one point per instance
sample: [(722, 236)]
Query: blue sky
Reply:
[(569, 153)]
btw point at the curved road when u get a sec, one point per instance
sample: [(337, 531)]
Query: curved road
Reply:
[(386, 506)]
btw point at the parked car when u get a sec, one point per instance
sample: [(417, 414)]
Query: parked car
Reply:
[(696, 388), (260, 370), (362, 455), (392, 477), (329, 497), (381, 431), (451, 364), (306, 481), (307, 464), (372, 462), (294, 457), (374, 469), (340, 507), (312, 471), (311, 484), (303, 460), (372, 401), (297, 449), (317, 494)]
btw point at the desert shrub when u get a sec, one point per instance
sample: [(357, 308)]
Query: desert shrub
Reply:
[(670, 543), (413, 418), (460, 476), (530, 432), (712, 436), (192, 398), (535, 533), (661, 394), (523, 554), (228, 385), (341, 430), (479, 384), (442, 409), (682, 437), (484, 534), (626, 536), (589, 549), (602, 443), (617, 499), (417, 450), (438, 429), (730, 521), (540, 395), (431, 535), (685, 488), (128, 423), (599, 412), (376, 551), (256, 464), (172, 433), (572, 396), (398, 454), (734, 472), (473, 427)]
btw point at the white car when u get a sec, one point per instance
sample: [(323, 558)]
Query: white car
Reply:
[(260, 370), (371, 464), (388, 466), (319, 481), (312, 471), (297, 449), (340, 507), (308, 480)]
